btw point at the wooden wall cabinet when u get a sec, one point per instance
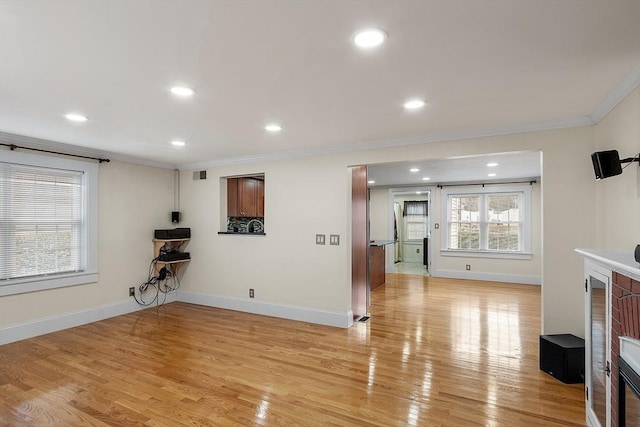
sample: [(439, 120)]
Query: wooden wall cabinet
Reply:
[(245, 197)]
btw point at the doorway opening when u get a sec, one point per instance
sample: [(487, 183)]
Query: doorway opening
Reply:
[(410, 226)]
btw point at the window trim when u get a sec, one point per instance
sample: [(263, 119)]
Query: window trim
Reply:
[(90, 275), (524, 253)]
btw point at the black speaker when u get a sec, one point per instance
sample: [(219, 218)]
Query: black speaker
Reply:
[(175, 217), (562, 356), (606, 164), (637, 253)]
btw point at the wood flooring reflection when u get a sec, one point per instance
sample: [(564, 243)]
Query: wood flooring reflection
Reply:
[(434, 353)]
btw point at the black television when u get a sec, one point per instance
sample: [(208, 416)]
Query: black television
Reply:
[(606, 164)]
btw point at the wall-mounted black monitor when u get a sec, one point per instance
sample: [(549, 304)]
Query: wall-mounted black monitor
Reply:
[(606, 164)]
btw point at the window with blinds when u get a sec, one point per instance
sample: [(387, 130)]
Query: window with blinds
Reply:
[(48, 222), (42, 221), (415, 219)]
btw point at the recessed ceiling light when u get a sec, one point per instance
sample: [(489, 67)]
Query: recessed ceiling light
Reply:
[(370, 37), (273, 127), (414, 104), (182, 91), (414, 170), (74, 117), (492, 174), (177, 143), (371, 182), (492, 165), (426, 178)]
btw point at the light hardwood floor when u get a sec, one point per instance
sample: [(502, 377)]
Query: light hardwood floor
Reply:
[(434, 353)]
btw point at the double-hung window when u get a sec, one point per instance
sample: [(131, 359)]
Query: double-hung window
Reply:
[(492, 221), (415, 216), (48, 219)]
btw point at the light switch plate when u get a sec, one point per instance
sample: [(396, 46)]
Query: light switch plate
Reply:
[(319, 239), (334, 239)]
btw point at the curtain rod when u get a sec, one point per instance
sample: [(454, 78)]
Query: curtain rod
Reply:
[(531, 182), (14, 147)]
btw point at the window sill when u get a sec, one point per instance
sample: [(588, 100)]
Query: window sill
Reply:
[(486, 254), (32, 284)]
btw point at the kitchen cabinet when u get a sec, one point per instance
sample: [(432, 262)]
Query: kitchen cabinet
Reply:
[(245, 197), (377, 263)]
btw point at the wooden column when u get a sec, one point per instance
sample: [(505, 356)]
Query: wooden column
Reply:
[(359, 242)]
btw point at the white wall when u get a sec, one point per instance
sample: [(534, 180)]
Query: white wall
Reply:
[(379, 214), (288, 271), (618, 198), (133, 201), (310, 195)]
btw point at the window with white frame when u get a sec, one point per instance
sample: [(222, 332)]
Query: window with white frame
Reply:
[(490, 220), (48, 222), (415, 218)]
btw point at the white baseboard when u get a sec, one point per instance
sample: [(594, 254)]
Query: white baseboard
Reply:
[(304, 314), (69, 320), (492, 277)]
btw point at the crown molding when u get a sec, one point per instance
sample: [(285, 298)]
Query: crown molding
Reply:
[(620, 92), (630, 82), (398, 142), (45, 144)]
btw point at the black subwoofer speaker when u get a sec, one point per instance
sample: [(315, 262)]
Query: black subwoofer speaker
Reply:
[(562, 356)]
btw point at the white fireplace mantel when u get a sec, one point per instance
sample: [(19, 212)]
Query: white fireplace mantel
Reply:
[(621, 261)]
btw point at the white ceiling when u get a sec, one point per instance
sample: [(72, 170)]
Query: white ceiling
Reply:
[(516, 166), (480, 65)]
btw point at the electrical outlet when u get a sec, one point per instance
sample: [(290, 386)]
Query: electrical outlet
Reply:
[(132, 291), (251, 293), (418, 251), (468, 267), (319, 239)]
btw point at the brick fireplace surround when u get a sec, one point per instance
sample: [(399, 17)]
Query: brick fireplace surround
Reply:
[(625, 321)]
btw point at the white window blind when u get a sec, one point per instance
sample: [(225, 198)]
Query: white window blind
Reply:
[(42, 221)]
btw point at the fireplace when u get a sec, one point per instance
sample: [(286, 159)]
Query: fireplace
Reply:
[(629, 383), (625, 344), (614, 401)]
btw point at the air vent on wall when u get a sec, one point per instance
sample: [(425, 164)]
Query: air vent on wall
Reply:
[(199, 175)]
